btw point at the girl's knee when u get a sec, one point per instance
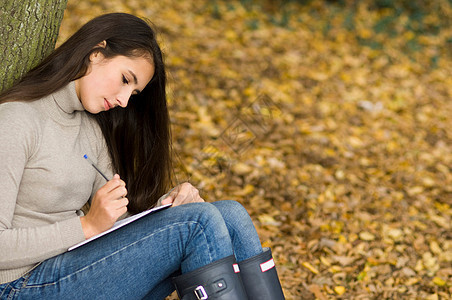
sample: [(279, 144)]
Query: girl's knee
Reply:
[(204, 213), (203, 208), (231, 209)]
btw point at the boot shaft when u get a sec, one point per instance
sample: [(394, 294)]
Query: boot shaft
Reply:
[(260, 278)]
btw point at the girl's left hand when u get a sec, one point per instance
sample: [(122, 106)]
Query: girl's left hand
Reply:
[(182, 194)]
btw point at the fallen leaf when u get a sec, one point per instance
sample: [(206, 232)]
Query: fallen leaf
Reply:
[(439, 281), (366, 236), (340, 290), (310, 267)]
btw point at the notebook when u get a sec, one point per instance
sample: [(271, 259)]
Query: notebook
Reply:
[(120, 224)]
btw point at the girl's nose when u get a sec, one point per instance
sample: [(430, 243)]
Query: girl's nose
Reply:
[(123, 98)]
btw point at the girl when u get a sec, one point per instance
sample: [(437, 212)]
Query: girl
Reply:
[(102, 93)]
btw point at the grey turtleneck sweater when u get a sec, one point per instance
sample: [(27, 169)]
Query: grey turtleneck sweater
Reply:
[(44, 179)]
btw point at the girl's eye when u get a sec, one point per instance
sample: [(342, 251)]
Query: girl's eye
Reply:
[(124, 80)]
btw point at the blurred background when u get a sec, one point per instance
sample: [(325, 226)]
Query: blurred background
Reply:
[(328, 120)]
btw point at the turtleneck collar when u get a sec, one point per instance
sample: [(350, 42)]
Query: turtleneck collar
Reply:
[(63, 106), (66, 98)]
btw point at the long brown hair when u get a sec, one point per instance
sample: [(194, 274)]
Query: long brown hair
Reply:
[(138, 137)]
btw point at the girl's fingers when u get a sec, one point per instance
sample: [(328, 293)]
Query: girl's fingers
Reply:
[(182, 194), (114, 189), (121, 203), (114, 183), (118, 193), (168, 200)]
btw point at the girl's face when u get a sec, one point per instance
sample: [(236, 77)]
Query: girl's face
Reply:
[(110, 82)]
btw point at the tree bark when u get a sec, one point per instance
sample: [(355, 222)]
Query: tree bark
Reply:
[(28, 33)]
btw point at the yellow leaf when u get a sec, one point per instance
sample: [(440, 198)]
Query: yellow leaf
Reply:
[(310, 267), (319, 76), (415, 190), (412, 281), (440, 221), (408, 35), (395, 234), (176, 61), (325, 261), (366, 236), (340, 290), (241, 168), (250, 92), (428, 182), (442, 207), (435, 248), (345, 77), (372, 261), (231, 35), (446, 256), (268, 220), (353, 237), (248, 189), (439, 281), (419, 266), (335, 269), (339, 174), (389, 281), (267, 243), (355, 142), (342, 239), (328, 289)]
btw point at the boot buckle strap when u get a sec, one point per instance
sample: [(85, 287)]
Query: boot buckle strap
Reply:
[(200, 293)]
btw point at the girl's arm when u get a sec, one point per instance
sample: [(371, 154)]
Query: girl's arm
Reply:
[(20, 247)]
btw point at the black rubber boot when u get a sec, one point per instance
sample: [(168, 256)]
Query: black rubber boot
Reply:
[(218, 280), (260, 278)]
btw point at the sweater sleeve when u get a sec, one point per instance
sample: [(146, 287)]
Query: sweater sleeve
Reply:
[(19, 247)]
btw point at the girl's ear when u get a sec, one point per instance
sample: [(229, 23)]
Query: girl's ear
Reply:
[(96, 55), (102, 44)]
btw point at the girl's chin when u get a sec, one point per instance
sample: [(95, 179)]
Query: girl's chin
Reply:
[(94, 111)]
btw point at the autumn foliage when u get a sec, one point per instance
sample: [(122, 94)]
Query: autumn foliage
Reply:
[(329, 121)]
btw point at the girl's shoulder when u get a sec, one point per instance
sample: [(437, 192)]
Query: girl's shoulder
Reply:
[(17, 108), (21, 113)]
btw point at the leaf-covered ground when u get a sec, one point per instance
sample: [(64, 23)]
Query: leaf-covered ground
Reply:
[(329, 123)]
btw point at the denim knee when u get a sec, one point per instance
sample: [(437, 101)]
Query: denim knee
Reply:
[(233, 212), (243, 234), (205, 213), (208, 222)]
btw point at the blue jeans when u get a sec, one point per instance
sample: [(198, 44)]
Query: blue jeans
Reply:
[(137, 261)]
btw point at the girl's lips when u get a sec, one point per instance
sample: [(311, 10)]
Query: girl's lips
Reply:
[(107, 105)]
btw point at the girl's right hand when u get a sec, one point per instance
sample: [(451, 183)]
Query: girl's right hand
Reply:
[(182, 194), (108, 204)]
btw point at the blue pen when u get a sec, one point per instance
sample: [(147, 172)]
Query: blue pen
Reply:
[(95, 167)]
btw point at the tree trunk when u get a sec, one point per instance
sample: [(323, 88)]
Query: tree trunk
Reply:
[(28, 33)]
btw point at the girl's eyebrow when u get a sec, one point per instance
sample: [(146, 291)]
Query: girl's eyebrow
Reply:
[(134, 77), (135, 80)]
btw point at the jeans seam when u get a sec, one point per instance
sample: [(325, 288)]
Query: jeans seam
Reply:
[(4, 290), (205, 238), (118, 251), (11, 293), (27, 275)]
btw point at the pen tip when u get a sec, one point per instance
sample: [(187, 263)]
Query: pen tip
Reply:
[(85, 156)]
